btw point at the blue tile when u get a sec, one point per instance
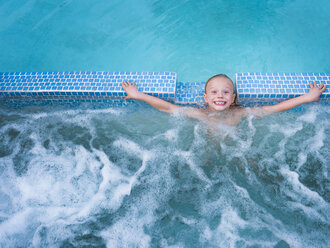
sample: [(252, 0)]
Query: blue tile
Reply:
[(161, 84)]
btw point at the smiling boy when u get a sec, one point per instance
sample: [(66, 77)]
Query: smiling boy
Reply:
[(219, 96)]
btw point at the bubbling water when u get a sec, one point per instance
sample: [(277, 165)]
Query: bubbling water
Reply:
[(127, 178)]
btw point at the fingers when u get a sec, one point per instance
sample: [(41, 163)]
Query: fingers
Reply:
[(127, 83), (322, 86), (313, 85), (127, 86)]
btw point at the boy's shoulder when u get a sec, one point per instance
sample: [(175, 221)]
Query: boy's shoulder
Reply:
[(238, 110), (194, 112)]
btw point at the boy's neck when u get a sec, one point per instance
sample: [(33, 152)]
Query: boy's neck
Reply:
[(212, 111)]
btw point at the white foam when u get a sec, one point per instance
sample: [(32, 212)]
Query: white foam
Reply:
[(309, 115), (289, 129), (133, 148), (82, 118), (54, 179), (127, 233), (165, 244), (188, 158), (311, 145), (241, 191), (113, 187), (17, 223), (129, 230), (110, 111), (227, 232), (130, 146), (318, 140), (39, 115), (66, 184), (171, 135), (300, 193), (244, 145), (74, 113), (19, 228), (53, 231), (48, 179), (302, 158)]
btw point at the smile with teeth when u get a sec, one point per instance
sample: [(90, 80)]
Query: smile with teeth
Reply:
[(220, 103)]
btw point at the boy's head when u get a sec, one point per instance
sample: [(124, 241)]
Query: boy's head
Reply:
[(219, 92)]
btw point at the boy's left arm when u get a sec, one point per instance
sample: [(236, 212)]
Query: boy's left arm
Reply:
[(312, 96)]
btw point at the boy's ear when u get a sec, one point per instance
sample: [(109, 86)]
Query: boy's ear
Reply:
[(204, 95), (234, 100)]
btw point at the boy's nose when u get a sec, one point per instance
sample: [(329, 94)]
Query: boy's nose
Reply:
[(220, 94)]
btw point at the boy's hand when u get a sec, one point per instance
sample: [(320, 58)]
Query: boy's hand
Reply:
[(315, 92), (130, 89)]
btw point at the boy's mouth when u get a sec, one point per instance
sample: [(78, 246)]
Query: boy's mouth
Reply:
[(219, 103)]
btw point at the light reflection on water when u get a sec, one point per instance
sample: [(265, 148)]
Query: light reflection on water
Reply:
[(120, 178), (196, 39)]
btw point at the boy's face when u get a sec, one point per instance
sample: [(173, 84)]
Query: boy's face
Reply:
[(219, 94)]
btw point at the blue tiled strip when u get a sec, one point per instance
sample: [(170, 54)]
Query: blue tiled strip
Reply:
[(66, 87), (259, 88), (269, 88), (105, 87), (189, 92)]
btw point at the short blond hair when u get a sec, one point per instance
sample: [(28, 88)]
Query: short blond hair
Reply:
[(220, 76)]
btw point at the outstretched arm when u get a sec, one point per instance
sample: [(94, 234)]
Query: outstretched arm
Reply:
[(312, 96), (134, 93)]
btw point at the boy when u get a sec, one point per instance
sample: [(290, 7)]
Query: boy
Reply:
[(219, 96)]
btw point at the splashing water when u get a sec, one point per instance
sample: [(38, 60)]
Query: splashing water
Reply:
[(120, 178)]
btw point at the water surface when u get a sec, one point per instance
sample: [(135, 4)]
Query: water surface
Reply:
[(196, 39), (121, 178)]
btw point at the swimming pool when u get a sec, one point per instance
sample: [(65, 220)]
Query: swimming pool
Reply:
[(136, 177)]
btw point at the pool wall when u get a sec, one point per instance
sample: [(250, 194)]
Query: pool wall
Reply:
[(104, 88)]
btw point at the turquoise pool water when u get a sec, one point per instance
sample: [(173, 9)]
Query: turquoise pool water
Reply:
[(136, 177), (196, 39)]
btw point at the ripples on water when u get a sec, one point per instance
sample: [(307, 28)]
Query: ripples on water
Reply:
[(196, 39), (120, 178)]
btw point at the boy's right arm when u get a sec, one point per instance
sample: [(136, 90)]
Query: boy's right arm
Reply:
[(312, 96), (134, 93)]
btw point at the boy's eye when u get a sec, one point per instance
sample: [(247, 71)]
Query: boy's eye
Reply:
[(213, 91)]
